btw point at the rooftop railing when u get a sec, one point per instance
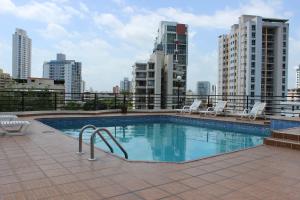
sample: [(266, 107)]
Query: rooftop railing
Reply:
[(12, 101)]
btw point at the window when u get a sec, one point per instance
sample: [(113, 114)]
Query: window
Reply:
[(253, 57), (171, 28), (283, 73), (283, 66), (252, 72), (284, 51), (284, 29), (252, 79), (253, 42), (253, 64), (253, 49), (253, 34), (252, 87), (283, 58), (253, 27)]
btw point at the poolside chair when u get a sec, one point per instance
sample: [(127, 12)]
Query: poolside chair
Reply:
[(192, 108), (257, 110), (218, 109), (8, 117), (13, 127)]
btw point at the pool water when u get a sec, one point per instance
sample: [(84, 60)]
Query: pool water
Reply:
[(172, 142)]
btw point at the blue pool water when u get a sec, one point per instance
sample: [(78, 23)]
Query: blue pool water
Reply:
[(170, 139)]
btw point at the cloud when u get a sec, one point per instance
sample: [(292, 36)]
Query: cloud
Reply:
[(83, 7), (46, 11), (56, 31)]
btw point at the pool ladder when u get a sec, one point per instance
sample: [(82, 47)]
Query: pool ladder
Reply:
[(98, 131)]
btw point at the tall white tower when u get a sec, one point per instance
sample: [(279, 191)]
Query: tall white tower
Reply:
[(21, 55)]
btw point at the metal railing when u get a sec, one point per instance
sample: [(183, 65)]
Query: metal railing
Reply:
[(53, 100), (92, 141)]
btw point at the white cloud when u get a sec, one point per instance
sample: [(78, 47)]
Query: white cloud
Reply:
[(56, 31), (83, 7), (47, 11)]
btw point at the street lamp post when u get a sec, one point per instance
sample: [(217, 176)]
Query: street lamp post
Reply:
[(178, 86)]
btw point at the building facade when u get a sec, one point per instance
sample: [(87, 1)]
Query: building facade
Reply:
[(5, 79), (36, 84), (21, 55), (125, 85), (203, 88), (298, 77), (155, 81), (67, 70), (116, 89), (253, 60)]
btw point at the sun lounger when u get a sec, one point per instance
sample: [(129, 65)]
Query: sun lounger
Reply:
[(13, 127), (217, 110), (192, 108), (257, 110)]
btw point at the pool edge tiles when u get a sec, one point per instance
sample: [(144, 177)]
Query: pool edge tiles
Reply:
[(106, 121)]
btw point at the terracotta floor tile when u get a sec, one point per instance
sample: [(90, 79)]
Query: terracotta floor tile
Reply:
[(98, 182), (195, 171), (14, 196), (152, 194), (195, 195), (37, 183), (83, 195), (177, 175), (195, 182), (212, 177), (215, 190), (64, 179), (56, 172), (72, 187), (130, 196), (174, 188), (232, 184), (31, 176), (8, 179), (111, 190), (42, 193), (238, 196), (10, 188)]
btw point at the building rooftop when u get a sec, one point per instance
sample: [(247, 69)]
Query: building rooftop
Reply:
[(43, 165)]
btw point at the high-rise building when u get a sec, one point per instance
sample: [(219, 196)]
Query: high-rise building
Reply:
[(253, 59), (67, 70), (125, 85), (21, 55), (298, 77), (172, 38), (203, 88), (159, 74)]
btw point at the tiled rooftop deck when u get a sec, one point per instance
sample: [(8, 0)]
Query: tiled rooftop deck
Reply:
[(43, 165)]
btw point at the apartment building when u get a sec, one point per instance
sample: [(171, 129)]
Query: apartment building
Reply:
[(159, 74), (21, 55), (253, 60), (67, 70)]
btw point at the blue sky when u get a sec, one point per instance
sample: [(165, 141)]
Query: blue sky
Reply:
[(109, 36)]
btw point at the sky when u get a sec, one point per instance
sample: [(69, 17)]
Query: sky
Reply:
[(109, 36)]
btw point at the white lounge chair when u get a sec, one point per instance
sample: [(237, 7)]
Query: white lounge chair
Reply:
[(13, 127), (8, 117), (257, 110), (192, 108), (218, 109)]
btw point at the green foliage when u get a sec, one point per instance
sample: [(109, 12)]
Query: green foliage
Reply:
[(72, 106)]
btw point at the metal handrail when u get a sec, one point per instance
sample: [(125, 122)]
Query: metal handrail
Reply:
[(98, 131), (81, 134)]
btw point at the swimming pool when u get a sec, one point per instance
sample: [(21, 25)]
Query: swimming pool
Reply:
[(167, 138)]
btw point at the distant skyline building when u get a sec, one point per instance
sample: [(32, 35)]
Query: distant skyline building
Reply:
[(67, 70), (125, 85), (21, 55), (159, 74), (253, 59), (298, 77), (203, 88), (116, 89)]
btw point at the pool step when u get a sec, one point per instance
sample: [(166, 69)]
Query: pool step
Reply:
[(282, 143), (289, 138)]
